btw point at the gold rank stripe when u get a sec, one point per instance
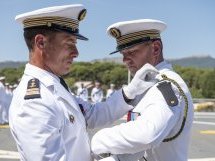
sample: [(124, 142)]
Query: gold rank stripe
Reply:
[(32, 91), (137, 35), (210, 132), (46, 23), (4, 126), (52, 19), (39, 21)]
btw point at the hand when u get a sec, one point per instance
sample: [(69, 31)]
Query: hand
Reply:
[(144, 78)]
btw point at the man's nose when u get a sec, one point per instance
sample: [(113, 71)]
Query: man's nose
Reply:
[(126, 59), (75, 52)]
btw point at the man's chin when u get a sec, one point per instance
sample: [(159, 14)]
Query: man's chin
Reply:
[(65, 72)]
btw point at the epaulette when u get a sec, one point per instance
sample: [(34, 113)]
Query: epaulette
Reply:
[(168, 93), (33, 89)]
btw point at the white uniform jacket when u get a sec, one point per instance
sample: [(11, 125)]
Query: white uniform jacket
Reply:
[(51, 125), (155, 121)]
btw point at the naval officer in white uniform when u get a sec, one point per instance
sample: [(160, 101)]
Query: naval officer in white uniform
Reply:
[(111, 90), (46, 120), (82, 92), (97, 93), (2, 99), (159, 127)]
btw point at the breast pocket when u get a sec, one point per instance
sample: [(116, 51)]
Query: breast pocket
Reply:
[(71, 126)]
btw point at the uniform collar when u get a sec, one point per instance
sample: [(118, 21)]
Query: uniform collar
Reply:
[(163, 65), (47, 78)]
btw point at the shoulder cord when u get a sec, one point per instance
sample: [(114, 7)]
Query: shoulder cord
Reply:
[(185, 109)]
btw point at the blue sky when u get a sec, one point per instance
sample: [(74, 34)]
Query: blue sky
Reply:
[(190, 25)]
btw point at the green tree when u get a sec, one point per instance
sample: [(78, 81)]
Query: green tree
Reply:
[(208, 88), (12, 74)]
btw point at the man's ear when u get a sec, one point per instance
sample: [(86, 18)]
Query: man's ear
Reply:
[(157, 47), (40, 41)]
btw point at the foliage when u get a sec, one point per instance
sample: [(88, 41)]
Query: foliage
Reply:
[(12, 74), (201, 81), (208, 87)]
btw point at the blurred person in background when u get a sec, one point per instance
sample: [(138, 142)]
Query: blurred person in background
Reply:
[(82, 92), (111, 90), (2, 98), (97, 93)]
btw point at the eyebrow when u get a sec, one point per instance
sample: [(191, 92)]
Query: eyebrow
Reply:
[(71, 40)]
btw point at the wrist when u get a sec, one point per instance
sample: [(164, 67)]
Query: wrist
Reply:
[(127, 100)]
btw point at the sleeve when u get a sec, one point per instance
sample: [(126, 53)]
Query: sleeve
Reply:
[(40, 139), (105, 113), (148, 131)]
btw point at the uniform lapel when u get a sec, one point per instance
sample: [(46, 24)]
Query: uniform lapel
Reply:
[(61, 92), (48, 79)]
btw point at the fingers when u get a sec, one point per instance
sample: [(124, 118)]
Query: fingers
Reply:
[(146, 69)]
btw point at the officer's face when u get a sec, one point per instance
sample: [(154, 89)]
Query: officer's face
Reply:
[(60, 52), (137, 56)]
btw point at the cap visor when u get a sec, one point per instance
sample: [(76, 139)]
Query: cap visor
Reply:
[(127, 47), (80, 37)]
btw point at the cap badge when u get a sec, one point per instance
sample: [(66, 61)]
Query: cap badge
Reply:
[(49, 24), (115, 32), (82, 14)]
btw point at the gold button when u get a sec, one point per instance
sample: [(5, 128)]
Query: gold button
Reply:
[(49, 24)]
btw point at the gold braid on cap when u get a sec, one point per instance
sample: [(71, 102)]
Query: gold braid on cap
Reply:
[(124, 39), (48, 21)]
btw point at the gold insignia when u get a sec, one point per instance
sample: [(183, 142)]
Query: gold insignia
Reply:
[(71, 118), (33, 89), (50, 20), (32, 84), (82, 14), (115, 32), (49, 24), (172, 102)]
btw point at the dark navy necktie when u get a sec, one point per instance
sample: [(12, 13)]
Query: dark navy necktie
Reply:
[(63, 83)]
